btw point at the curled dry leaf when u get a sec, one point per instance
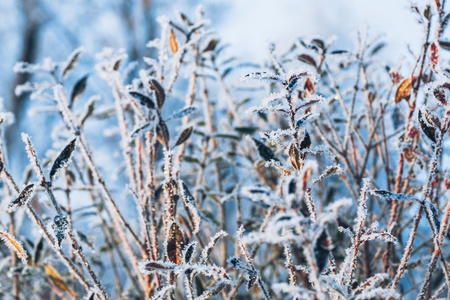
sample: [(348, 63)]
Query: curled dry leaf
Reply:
[(404, 90), (12, 243), (173, 42)]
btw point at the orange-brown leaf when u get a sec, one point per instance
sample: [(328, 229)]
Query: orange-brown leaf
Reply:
[(56, 279), (12, 243), (403, 90), (173, 42)]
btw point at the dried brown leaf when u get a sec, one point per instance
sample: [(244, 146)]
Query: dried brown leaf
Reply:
[(175, 243), (307, 59)]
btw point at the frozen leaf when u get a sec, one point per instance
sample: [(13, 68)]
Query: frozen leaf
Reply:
[(159, 92), (175, 243), (212, 243), (439, 95), (444, 45), (24, 196), (403, 90), (214, 290), (162, 134), (63, 159), (152, 266), (38, 251), (12, 243), (184, 136), (188, 252), (143, 99), (390, 195), (319, 43), (265, 152), (427, 12), (90, 106), (427, 128), (60, 227), (78, 89), (251, 280), (305, 142), (322, 247), (186, 20), (173, 42), (303, 120), (161, 294), (328, 172), (56, 279), (211, 45), (182, 113), (72, 62), (142, 129), (377, 48), (295, 157), (283, 171), (189, 204), (246, 130), (444, 23), (308, 60)]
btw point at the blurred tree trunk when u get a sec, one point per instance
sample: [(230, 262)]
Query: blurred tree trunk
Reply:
[(33, 21)]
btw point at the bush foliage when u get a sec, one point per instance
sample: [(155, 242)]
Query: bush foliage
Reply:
[(319, 174)]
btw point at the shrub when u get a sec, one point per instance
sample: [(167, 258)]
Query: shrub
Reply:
[(319, 175)]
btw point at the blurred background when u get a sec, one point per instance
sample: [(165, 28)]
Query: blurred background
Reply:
[(31, 30)]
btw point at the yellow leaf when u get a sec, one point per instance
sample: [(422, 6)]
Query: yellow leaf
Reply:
[(173, 42), (56, 279), (12, 243), (403, 90)]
